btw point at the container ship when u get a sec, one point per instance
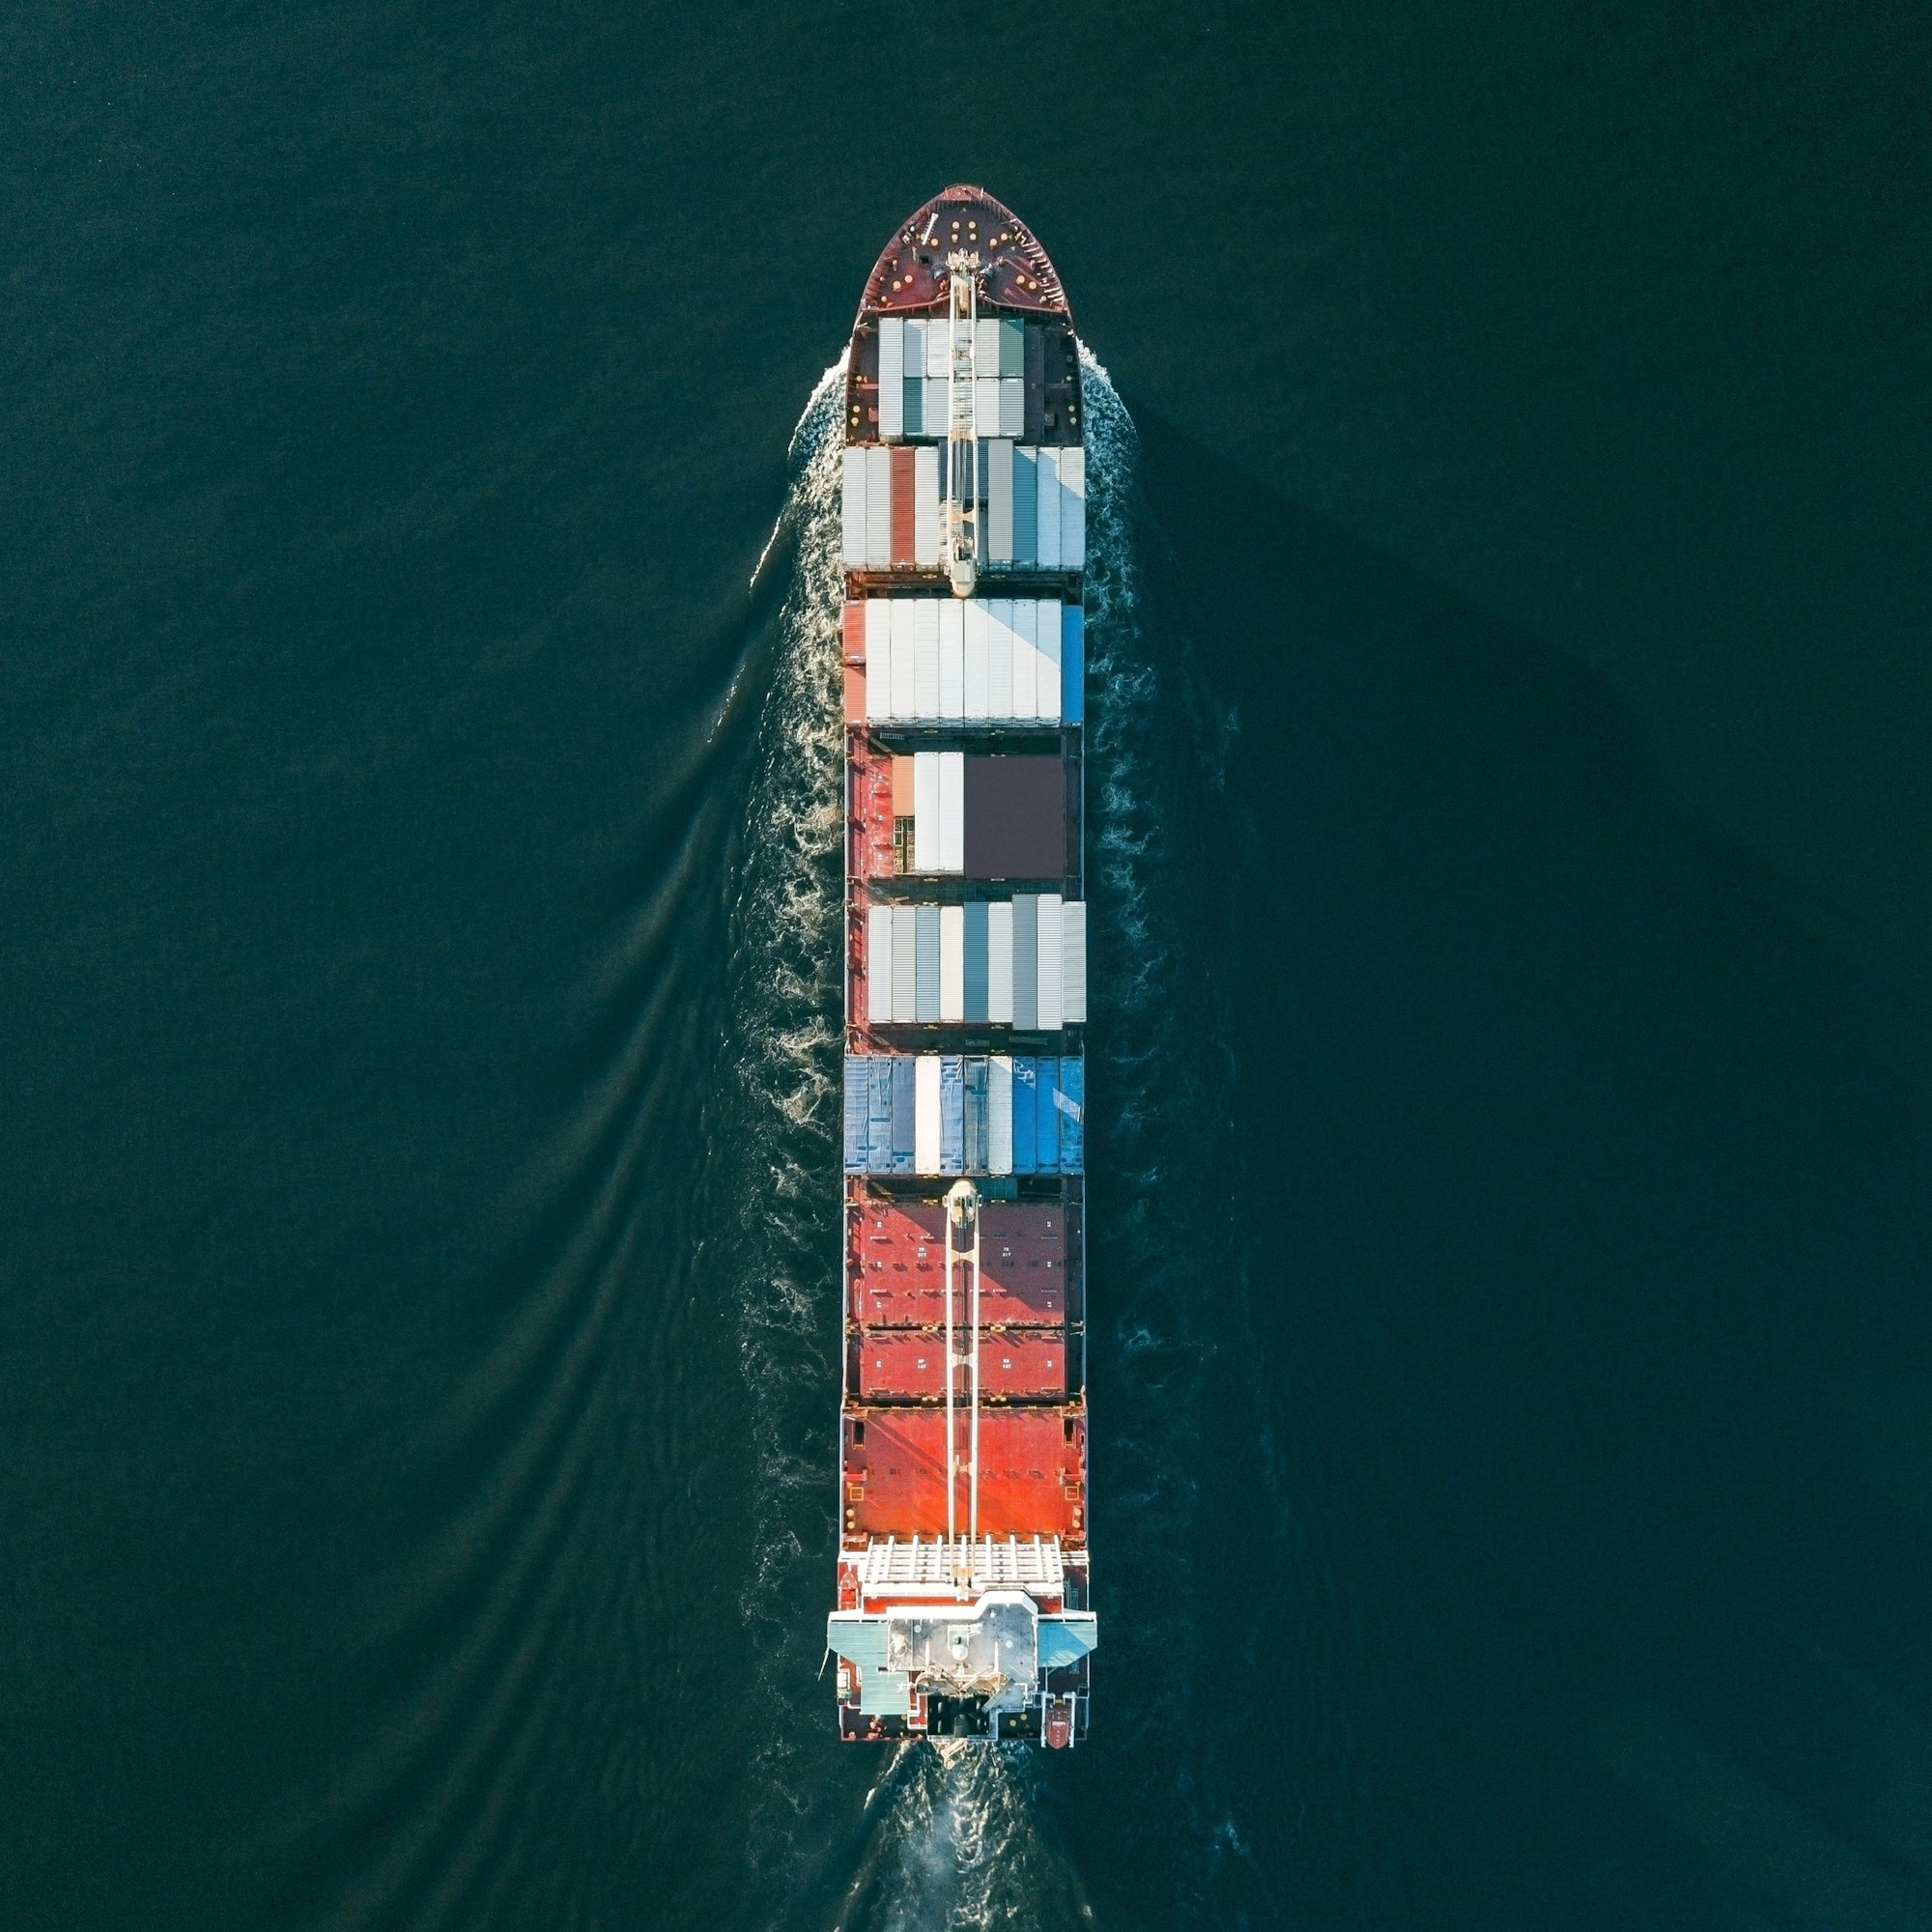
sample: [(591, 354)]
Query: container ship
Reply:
[(963, 1594)]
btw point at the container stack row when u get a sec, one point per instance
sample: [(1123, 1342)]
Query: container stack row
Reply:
[(1034, 498), (940, 1115), (930, 659), (1016, 962)]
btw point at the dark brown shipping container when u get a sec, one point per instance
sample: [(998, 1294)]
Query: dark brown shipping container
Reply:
[(1015, 818)]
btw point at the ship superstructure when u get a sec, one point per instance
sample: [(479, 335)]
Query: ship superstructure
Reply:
[(963, 1604)]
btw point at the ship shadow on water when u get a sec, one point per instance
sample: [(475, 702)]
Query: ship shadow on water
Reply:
[(1509, 1311)]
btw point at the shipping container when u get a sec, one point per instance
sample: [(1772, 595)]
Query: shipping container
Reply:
[(1073, 507), (938, 347), (1026, 506), (986, 347), (925, 811), (1046, 672), (905, 657), (1047, 497), (915, 349), (1073, 664), (857, 1113), (925, 945), (1000, 962), (914, 411), (921, 613), (902, 786), (1051, 991), (902, 505), (1000, 504), (881, 692), (951, 965), (951, 656), (902, 1105), (1073, 962), (892, 376), (925, 508), (1000, 1113), (1046, 1130), (1012, 346), (878, 964), (1072, 1115), (1012, 408), (976, 1149), (999, 657), (879, 1126), (1026, 658), (937, 404), (973, 968), (951, 811), (974, 618), (951, 1113), (878, 507), (905, 964), (925, 1114), (986, 408), (1026, 1113), (852, 529), (1025, 961), (1015, 818)]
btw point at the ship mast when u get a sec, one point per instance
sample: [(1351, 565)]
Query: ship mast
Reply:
[(962, 1219), (962, 448)]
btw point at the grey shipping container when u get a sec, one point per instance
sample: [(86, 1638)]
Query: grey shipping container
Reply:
[(1026, 506), (1025, 961)]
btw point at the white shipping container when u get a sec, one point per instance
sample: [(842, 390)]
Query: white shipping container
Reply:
[(951, 811), (915, 345), (937, 402), (987, 407), (974, 615), (1048, 533), (1073, 507), (1000, 1113), (925, 811), (1073, 962), (892, 376), (986, 347), (925, 1114), (1047, 630), (926, 507), (852, 533), (879, 964), (999, 501), (922, 613), (905, 659), (1049, 968), (1000, 656), (1000, 962), (951, 657), (878, 506), (951, 965), (1013, 405), (1026, 659), (879, 702), (905, 963), (938, 342)]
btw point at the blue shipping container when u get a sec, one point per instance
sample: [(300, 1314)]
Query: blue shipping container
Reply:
[(1072, 1115), (975, 1156), (1046, 1129), (902, 1113), (1025, 1113), (951, 1113), (879, 1115), (1072, 663), (857, 1113)]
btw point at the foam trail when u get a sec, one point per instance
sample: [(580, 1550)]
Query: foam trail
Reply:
[(956, 1833)]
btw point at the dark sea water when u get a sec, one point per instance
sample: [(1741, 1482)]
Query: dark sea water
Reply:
[(1510, 776)]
